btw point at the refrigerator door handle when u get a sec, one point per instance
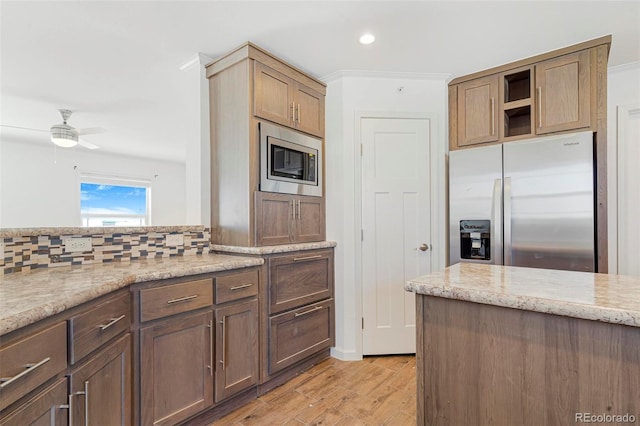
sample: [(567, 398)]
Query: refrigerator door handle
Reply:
[(507, 221), (496, 223)]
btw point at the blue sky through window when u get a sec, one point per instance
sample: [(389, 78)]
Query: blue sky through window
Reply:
[(112, 199)]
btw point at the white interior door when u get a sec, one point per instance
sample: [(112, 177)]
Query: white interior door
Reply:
[(395, 223)]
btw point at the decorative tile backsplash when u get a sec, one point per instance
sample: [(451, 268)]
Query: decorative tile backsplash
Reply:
[(33, 248)]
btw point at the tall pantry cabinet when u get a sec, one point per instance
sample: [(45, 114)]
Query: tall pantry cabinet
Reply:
[(247, 86)]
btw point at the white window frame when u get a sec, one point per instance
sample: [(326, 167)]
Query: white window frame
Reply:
[(114, 180)]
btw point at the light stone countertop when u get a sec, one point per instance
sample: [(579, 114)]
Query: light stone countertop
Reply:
[(21, 232), (285, 248), (599, 297), (28, 298)]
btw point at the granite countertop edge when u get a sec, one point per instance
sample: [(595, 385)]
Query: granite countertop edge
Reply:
[(534, 303), (285, 248), (121, 278)]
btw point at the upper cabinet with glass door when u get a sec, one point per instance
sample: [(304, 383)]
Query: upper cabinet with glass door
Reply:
[(559, 91)]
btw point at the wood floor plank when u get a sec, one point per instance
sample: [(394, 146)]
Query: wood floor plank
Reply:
[(374, 391)]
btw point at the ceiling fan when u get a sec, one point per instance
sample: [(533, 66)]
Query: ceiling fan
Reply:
[(64, 135)]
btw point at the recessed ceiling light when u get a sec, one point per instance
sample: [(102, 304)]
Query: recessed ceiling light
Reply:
[(367, 38)]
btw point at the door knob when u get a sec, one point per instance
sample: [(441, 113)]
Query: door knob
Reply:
[(424, 247)]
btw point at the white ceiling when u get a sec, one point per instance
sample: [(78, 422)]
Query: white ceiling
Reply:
[(116, 63)]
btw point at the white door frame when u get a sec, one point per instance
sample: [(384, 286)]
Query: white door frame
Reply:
[(438, 200)]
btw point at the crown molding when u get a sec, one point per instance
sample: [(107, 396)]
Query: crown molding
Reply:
[(625, 67), (385, 74), (197, 59)]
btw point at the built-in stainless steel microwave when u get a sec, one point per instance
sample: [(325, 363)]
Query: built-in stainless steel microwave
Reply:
[(290, 162)]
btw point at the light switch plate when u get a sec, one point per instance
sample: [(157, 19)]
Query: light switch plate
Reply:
[(78, 244), (174, 240)]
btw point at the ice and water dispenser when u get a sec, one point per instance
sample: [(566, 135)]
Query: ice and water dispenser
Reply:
[(475, 239)]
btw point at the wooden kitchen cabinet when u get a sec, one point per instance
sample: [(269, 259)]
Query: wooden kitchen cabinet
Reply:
[(478, 111), (285, 101), (299, 312), (31, 361), (236, 348), (247, 87), (100, 389), (48, 408), (563, 93), (300, 333), (176, 376), (285, 219)]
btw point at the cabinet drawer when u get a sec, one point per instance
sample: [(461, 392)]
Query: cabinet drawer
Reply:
[(295, 335), (173, 299), (30, 362), (95, 327), (46, 408), (236, 286), (299, 279)]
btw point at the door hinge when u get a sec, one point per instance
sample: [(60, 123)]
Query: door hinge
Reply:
[(361, 150), (363, 323), (362, 235)]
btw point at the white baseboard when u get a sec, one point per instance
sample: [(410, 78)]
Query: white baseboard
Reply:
[(345, 355)]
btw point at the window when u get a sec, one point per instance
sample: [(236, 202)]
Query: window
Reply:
[(114, 201)]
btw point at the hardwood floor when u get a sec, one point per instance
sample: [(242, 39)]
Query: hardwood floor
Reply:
[(374, 391)]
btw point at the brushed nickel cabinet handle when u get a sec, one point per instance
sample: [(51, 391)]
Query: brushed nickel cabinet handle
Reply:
[(293, 112), (64, 407), (210, 325), (493, 117), (293, 210), (86, 403), (298, 207), (110, 323), (298, 113), (299, 314), (182, 299), (85, 393), (29, 368), (238, 287), (539, 107), (70, 417), (223, 342), (299, 259)]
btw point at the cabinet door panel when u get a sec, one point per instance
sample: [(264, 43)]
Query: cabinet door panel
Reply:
[(563, 93), (477, 111), (175, 369), (273, 95), (299, 279), (309, 112), (310, 222), (42, 410), (236, 348), (274, 213), (295, 335), (101, 388)]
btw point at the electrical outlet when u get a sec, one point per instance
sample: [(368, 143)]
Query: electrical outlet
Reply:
[(72, 245), (174, 240)]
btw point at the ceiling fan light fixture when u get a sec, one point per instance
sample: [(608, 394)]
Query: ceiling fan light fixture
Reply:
[(64, 135), (367, 38)]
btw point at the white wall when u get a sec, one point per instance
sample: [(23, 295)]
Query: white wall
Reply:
[(623, 174), (349, 95), (39, 183)]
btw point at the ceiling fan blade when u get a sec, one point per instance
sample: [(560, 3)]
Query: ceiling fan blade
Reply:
[(91, 131), (23, 128), (87, 145)]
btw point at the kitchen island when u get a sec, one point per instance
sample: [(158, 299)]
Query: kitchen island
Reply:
[(503, 345)]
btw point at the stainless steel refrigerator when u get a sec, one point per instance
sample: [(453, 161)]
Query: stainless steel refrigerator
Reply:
[(527, 203)]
